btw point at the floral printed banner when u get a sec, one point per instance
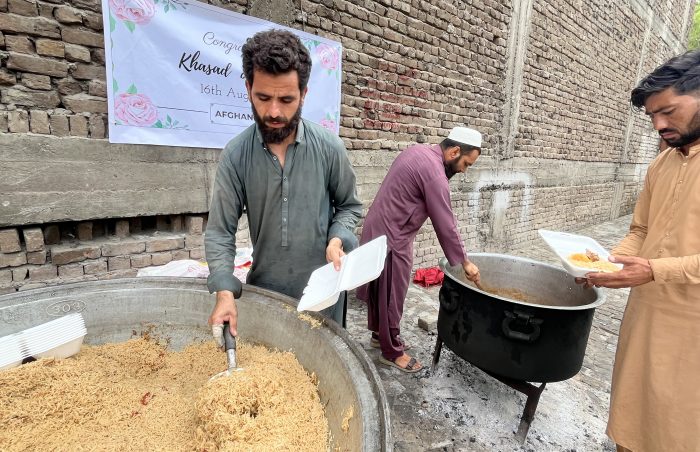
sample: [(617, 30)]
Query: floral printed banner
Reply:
[(175, 72)]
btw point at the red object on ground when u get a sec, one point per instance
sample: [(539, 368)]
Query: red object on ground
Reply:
[(427, 277)]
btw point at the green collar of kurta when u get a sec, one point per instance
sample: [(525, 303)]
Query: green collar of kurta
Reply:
[(299, 138)]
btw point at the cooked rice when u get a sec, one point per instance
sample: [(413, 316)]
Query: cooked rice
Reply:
[(315, 323), (137, 395), (583, 261), (347, 415)]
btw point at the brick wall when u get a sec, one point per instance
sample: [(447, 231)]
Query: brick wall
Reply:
[(53, 70), (36, 256), (546, 82)]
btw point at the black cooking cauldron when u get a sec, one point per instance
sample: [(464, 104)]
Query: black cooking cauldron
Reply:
[(542, 339)]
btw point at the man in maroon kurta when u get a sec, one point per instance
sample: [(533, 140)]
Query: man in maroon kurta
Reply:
[(415, 188)]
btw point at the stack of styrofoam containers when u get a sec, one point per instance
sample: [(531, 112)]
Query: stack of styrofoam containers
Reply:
[(11, 354), (59, 338)]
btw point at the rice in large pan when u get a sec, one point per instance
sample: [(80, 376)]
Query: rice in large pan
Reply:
[(137, 395)]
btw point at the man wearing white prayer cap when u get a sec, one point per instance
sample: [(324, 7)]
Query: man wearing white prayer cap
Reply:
[(415, 188)]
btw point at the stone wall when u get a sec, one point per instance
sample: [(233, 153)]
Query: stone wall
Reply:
[(546, 82)]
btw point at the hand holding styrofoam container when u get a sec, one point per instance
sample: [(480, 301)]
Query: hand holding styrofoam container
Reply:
[(358, 267), (564, 245)]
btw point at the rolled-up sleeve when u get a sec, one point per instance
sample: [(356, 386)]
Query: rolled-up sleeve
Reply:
[(220, 237), (347, 208)]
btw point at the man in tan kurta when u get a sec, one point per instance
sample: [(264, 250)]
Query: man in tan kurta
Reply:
[(655, 398)]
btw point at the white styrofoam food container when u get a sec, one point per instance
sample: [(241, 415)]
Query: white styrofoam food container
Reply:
[(10, 352), (358, 267), (62, 350), (69, 321), (58, 338), (564, 245), (37, 345)]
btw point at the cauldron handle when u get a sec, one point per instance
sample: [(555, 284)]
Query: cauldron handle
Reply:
[(528, 319)]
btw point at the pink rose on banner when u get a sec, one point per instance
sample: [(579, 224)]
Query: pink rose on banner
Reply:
[(136, 11), (329, 56), (135, 109), (328, 124)]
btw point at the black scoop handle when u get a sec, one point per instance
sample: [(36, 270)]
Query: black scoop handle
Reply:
[(229, 340)]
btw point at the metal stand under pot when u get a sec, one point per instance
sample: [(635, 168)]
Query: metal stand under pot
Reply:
[(542, 339)]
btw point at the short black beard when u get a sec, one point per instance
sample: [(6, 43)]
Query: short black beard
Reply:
[(690, 137), (451, 168), (271, 135)]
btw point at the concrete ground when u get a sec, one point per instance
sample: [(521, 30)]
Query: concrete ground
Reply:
[(460, 408)]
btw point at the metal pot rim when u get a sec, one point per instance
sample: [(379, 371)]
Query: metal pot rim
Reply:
[(600, 295)]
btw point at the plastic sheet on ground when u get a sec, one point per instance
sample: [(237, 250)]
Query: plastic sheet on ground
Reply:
[(199, 269)]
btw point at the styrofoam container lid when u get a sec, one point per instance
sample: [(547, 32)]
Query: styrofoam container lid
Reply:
[(368, 264), (358, 267), (44, 332), (73, 322), (66, 320), (9, 339), (10, 349), (565, 244)]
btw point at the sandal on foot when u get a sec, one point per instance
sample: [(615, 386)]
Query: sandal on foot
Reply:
[(374, 342), (412, 366)]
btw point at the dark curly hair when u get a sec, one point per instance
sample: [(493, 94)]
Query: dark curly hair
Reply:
[(681, 72), (276, 52)]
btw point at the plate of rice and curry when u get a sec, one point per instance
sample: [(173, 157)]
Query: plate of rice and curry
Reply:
[(579, 254)]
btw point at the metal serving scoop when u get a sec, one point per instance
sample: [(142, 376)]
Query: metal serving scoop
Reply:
[(230, 348)]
